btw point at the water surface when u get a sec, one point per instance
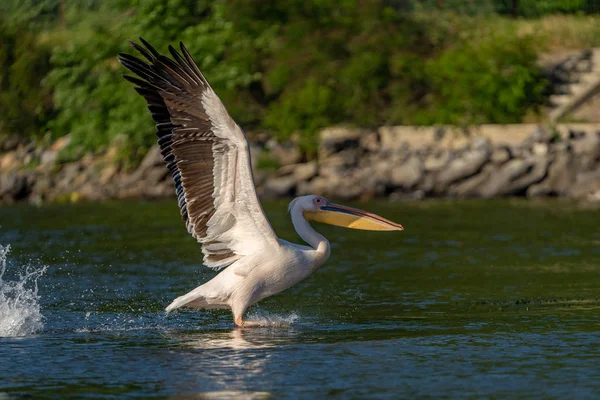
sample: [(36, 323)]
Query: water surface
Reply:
[(475, 299)]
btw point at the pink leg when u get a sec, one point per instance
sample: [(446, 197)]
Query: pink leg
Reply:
[(239, 321)]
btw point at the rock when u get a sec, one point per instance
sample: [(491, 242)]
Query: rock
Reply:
[(304, 172), (515, 177), (539, 135), (48, 157), (286, 153), (466, 165), (498, 181), (8, 161), (154, 176), (28, 159), (127, 192), (86, 161), (586, 187), (14, 186), (158, 190), (428, 184), (348, 191), (111, 154), (400, 156), (320, 185), (561, 147), (335, 160), (539, 190), (68, 174), (107, 174), (303, 188), (455, 141), (439, 133), (280, 187), (561, 175), (332, 140), (350, 157), (517, 152), (381, 168), (537, 172), (435, 162), (393, 138), (369, 141), (255, 152), (330, 172), (89, 191), (408, 174), (500, 155), (586, 149), (152, 159), (469, 187), (573, 134), (587, 144), (352, 184), (11, 142), (43, 185), (260, 177), (60, 143), (539, 149), (332, 166), (481, 143), (88, 174), (286, 170)]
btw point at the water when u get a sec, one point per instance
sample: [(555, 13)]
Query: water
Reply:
[(19, 301), (475, 299)]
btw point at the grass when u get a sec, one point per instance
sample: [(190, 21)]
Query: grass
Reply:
[(559, 32)]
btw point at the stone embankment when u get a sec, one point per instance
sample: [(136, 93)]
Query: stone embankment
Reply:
[(391, 162)]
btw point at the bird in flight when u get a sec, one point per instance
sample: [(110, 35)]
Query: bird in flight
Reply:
[(208, 155)]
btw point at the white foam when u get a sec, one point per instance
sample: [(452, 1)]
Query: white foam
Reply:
[(20, 313), (265, 318)]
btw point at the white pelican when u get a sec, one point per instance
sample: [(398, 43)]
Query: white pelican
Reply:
[(207, 153)]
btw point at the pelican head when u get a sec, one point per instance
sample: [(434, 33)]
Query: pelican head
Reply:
[(319, 209)]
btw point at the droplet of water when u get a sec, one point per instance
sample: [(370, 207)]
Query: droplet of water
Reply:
[(265, 318), (20, 313)]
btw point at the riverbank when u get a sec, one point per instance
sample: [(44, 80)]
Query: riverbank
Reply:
[(391, 162)]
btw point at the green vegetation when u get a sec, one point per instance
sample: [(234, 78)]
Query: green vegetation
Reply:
[(289, 67), (26, 105)]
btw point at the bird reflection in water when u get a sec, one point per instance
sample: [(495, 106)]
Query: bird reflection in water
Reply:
[(239, 339), (239, 355)]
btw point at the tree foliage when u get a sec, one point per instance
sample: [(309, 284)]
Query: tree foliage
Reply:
[(25, 105), (289, 67)]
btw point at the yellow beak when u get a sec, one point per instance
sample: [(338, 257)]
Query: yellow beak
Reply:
[(348, 217)]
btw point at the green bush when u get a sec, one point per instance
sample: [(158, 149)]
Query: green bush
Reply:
[(26, 108), (493, 79), (99, 108), (538, 8), (291, 67)]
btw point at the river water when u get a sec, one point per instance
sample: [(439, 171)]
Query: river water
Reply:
[(497, 299)]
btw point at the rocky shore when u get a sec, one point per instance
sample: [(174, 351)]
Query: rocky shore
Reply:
[(390, 162)]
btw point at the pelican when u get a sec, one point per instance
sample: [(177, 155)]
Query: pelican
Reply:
[(208, 155)]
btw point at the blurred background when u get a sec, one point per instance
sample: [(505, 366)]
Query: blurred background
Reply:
[(288, 69)]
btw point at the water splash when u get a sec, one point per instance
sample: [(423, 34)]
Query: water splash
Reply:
[(265, 318), (19, 301)]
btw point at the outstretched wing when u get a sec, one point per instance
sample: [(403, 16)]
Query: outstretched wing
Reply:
[(207, 153)]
